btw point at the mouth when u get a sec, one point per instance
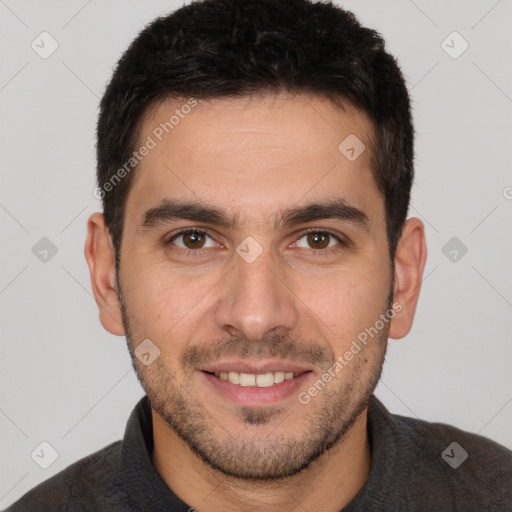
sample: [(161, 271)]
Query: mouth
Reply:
[(255, 380), (255, 385)]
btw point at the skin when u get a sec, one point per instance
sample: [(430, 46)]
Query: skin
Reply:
[(303, 299)]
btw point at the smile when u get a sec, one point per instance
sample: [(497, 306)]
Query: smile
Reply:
[(258, 380), (256, 387)]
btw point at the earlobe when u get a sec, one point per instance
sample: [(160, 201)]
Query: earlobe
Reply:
[(100, 256), (410, 258)]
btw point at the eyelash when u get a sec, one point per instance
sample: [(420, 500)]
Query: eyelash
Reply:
[(318, 252), (327, 252), (188, 252)]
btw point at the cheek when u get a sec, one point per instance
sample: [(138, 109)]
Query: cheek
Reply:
[(164, 304), (346, 303)]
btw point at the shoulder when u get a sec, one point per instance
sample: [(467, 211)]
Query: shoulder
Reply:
[(466, 467), (461, 445), (92, 483)]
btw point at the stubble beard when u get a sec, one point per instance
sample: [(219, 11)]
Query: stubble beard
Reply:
[(262, 451)]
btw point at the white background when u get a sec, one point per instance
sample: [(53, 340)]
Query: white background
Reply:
[(64, 380)]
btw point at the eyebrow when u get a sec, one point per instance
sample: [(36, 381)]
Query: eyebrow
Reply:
[(170, 210)]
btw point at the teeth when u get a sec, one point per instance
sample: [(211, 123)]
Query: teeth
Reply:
[(264, 380), (234, 377), (247, 379), (261, 380), (278, 377)]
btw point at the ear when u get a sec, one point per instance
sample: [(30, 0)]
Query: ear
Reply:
[(410, 258), (100, 256)]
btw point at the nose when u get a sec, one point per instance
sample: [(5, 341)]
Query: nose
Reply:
[(256, 301)]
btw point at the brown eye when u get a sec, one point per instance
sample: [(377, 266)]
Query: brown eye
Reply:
[(318, 240), (192, 239)]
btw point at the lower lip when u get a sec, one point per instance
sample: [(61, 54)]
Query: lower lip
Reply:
[(254, 396)]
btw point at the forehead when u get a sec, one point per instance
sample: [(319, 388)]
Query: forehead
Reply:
[(255, 154)]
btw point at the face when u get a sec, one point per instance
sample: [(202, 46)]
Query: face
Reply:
[(254, 255)]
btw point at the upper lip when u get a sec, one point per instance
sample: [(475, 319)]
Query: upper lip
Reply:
[(255, 366)]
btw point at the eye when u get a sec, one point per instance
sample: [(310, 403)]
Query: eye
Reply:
[(192, 239), (318, 240)]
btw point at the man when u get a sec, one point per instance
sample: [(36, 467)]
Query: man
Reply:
[(255, 162)]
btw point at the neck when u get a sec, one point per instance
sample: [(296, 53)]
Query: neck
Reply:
[(328, 484)]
